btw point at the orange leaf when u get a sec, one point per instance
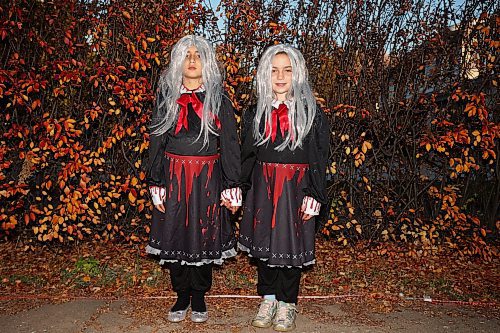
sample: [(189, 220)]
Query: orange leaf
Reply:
[(134, 181)]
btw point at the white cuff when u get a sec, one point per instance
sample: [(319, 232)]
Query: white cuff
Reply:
[(158, 193), (311, 206), (233, 195)]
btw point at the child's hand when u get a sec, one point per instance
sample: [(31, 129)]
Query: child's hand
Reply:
[(234, 209), (160, 207), (306, 217), (227, 204)]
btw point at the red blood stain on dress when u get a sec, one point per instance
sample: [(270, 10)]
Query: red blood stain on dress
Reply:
[(192, 166), (278, 174)]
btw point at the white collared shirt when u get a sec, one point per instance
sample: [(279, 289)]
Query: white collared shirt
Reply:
[(185, 90), (277, 103)]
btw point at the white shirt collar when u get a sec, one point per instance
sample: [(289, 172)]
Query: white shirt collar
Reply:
[(277, 103), (185, 90)]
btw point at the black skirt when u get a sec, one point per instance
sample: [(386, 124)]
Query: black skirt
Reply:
[(194, 229), (272, 228)]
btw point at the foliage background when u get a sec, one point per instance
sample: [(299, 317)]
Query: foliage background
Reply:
[(410, 89)]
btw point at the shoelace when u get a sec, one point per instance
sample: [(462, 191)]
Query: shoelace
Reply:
[(285, 313), (264, 309)]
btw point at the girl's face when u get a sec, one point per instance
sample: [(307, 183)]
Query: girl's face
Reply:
[(281, 75), (192, 64)]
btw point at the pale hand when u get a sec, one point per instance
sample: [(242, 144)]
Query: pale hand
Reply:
[(227, 204), (160, 207)]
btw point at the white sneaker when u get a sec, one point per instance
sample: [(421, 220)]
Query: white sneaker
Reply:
[(264, 317), (284, 320), (177, 316), (199, 317)]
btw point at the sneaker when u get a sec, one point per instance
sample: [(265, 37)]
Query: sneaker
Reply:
[(177, 316), (264, 317), (199, 317), (285, 317)]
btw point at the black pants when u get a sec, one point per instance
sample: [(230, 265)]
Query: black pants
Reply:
[(283, 282), (189, 277)]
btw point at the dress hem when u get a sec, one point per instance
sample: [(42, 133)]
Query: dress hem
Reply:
[(247, 250), (218, 261)]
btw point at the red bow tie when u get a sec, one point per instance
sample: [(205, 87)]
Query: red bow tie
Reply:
[(282, 113), (184, 101)]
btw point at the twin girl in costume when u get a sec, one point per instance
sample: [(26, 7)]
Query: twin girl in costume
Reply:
[(285, 143), (194, 161), (197, 175)]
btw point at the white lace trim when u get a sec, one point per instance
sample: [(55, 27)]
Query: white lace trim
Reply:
[(218, 261), (246, 249)]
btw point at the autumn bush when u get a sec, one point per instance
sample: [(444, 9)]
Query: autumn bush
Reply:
[(410, 90)]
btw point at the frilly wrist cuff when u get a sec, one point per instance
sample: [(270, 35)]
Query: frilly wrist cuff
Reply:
[(233, 195), (158, 194), (312, 207)]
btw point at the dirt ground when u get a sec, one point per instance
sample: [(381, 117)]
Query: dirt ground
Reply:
[(234, 316), (88, 288)]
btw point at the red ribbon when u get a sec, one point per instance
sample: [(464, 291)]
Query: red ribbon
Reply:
[(282, 113), (184, 101), (197, 105)]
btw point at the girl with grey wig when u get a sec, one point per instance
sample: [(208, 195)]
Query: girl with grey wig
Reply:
[(302, 109), (193, 174), (170, 84), (285, 144)]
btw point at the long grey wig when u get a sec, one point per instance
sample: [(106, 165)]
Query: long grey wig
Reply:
[(170, 82), (302, 102)]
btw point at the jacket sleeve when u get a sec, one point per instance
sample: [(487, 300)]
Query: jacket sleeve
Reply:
[(156, 166), (248, 149), (229, 146), (318, 151)]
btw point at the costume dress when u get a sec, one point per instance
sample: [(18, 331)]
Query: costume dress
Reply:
[(277, 181), (272, 229), (189, 179)]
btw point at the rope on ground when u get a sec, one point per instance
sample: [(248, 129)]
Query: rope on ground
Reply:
[(425, 299), (112, 298)]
